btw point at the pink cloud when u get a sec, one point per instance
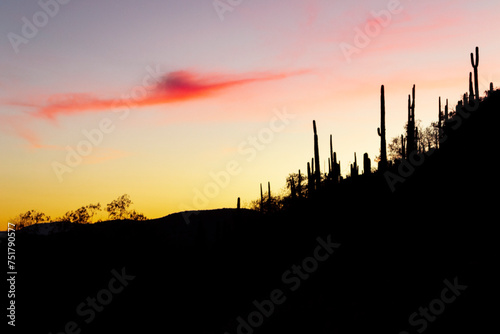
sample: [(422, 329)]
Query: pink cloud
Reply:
[(410, 28), (18, 125), (178, 86)]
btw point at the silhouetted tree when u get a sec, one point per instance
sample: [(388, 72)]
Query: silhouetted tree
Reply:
[(79, 216), (425, 139), (30, 217), (267, 203), (395, 148), (255, 205), (93, 209), (294, 183), (290, 183), (83, 215), (134, 215), (429, 137), (118, 208), (300, 179)]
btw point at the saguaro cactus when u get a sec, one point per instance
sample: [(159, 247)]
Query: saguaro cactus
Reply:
[(337, 173), (446, 111), (440, 117), (299, 184), (334, 166), (471, 90), (261, 199), (317, 175), (310, 180), (354, 167), (410, 131), (269, 192), (475, 66), (382, 165), (367, 166), (417, 143), (330, 162), (403, 148), (291, 183)]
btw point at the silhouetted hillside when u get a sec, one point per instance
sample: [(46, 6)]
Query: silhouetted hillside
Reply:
[(393, 252)]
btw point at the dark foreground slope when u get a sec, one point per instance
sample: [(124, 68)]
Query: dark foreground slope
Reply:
[(419, 258)]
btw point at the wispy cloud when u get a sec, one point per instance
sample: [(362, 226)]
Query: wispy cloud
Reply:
[(178, 86), (17, 125)]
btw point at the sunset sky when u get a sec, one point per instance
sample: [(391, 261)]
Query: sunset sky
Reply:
[(190, 104)]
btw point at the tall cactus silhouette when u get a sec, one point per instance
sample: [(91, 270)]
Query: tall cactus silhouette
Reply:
[(367, 166), (334, 166), (417, 143), (354, 167), (410, 131), (475, 66), (440, 118), (291, 183), (310, 180), (261, 199), (330, 162), (269, 193), (471, 90), (446, 111), (403, 148), (382, 165), (299, 184), (317, 175), (337, 173), (269, 203)]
